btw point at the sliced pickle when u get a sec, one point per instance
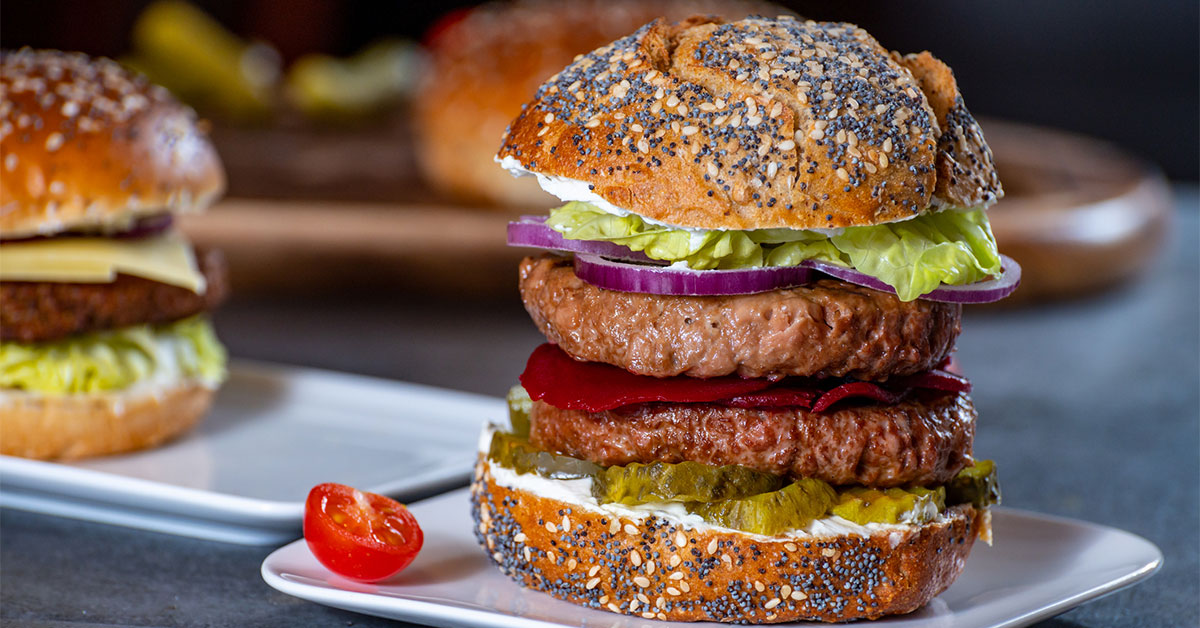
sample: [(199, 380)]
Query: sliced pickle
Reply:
[(788, 508), (894, 505), (518, 454), (638, 483), (978, 485), (519, 404)]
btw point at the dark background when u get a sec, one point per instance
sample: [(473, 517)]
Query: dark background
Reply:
[(1119, 70)]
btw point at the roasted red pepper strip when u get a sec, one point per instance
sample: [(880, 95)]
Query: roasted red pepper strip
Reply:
[(563, 382), (782, 397), (855, 389), (935, 379)]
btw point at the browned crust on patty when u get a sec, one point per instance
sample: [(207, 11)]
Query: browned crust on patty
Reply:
[(758, 123), (827, 328), (587, 557), (914, 442), (42, 311)]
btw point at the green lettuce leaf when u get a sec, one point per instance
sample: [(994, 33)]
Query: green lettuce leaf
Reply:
[(912, 256), (113, 360)]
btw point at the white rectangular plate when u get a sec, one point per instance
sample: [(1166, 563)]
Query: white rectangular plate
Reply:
[(274, 432), (1039, 567)]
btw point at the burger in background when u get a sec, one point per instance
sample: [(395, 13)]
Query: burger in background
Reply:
[(104, 342), (488, 61)]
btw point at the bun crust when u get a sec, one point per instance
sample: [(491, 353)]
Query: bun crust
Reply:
[(88, 144), (591, 558), (759, 123), (486, 65), (79, 426)]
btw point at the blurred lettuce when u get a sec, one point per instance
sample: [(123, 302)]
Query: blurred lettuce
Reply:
[(913, 256), (113, 360)]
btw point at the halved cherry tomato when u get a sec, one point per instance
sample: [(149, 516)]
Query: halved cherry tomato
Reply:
[(360, 535)]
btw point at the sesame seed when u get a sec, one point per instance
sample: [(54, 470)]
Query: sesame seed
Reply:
[(842, 174), (787, 145), (690, 130), (550, 527), (673, 591), (594, 570), (678, 575), (591, 584), (635, 558), (642, 581), (772, 603), (712, 546), (54, 141), (791, 547), (675, 560)]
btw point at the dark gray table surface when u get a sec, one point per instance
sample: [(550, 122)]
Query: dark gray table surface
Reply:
[(1091, 408)]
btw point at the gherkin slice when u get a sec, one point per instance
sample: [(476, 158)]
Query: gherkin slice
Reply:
[(519, 404), (871, 505), (518, 454), (978, 485), (793, 506), (638, 483)]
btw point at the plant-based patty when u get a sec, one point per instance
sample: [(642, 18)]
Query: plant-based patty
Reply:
[(41, 311), (825, 329), (924, 440)]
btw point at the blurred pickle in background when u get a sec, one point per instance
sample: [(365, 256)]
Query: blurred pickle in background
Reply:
[(180, 47), (322, 86)]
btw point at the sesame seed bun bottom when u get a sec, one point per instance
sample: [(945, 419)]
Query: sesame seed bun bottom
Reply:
[(656, 568)]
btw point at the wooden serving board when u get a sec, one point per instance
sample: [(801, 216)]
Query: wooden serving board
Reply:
[(324, 247), (1079, 215)]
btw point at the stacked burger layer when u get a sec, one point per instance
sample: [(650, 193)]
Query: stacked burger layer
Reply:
[(746, 411), (104, 342)]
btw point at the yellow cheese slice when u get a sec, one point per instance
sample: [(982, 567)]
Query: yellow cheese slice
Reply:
[(166, 258)]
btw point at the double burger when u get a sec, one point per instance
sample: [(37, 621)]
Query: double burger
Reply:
[(747, 410), (104, 343)]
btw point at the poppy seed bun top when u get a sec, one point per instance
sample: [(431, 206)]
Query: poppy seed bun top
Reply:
[(88, 144), (759, 123)]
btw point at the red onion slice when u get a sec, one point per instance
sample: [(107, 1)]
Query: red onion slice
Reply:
[(533, 231), (978, 292), (613, 273), (142, 227), (625, 277)]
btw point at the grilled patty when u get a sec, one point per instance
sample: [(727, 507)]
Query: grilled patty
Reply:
[(923, 440), (41, 311), (829, 328)]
